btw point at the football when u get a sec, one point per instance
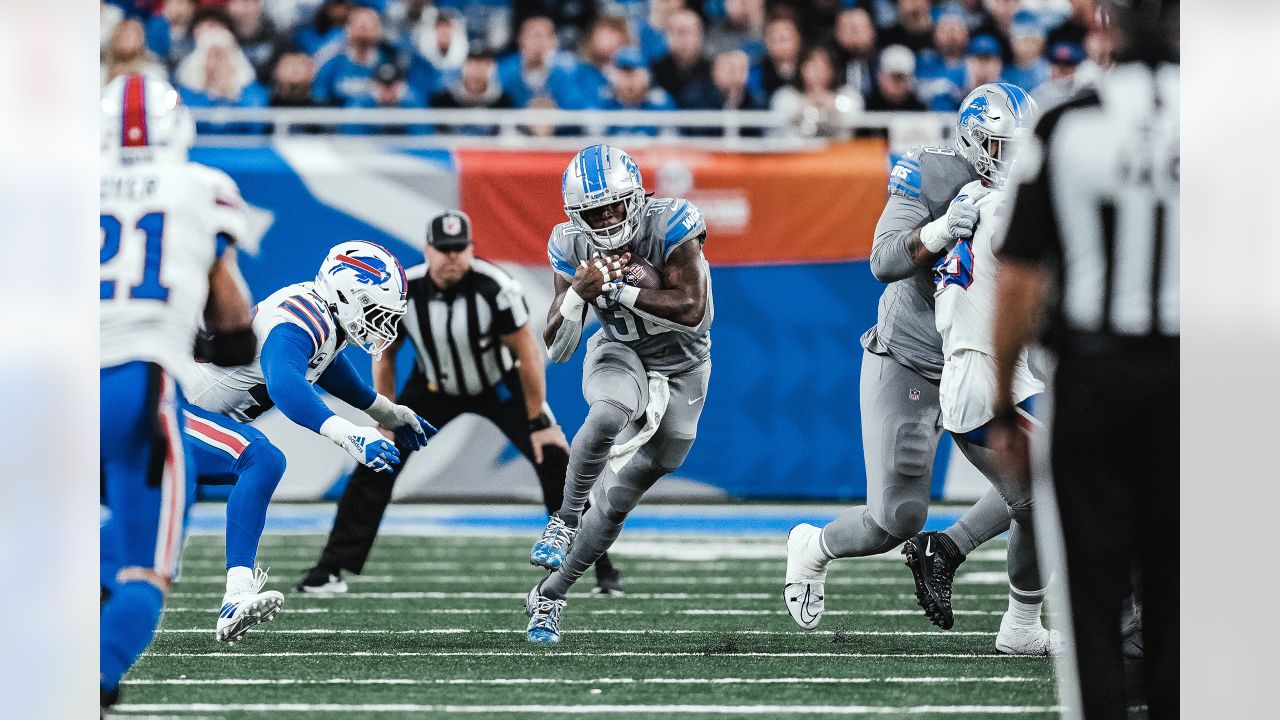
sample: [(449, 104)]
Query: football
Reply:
[(642, 274)]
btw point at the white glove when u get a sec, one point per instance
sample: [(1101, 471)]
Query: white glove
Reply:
[(411, 430), (957, 224), (365, 444)]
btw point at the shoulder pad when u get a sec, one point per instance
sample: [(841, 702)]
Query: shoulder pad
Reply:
[(677, 221), (559, 249)]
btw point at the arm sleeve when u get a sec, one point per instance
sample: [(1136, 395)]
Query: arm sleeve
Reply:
[(890, 258), (284, 360), (342, 381)]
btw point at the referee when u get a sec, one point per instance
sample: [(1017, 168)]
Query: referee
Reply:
[(1095, 227), (469, 324)]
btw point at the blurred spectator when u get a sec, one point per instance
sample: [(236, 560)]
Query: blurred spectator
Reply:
[(1029, 67), (973, 13), (914, 28), (998, 25), (204, 19), (573, 18), (527, 73), (540, 102), (684, 72), (814, 17), (347, 74), (895, 81), (586, 86), (126, 52), (728, 91), (1076, 25), (217, 74), (388, 90), (180, 16), (855, 39), (819, 106), (109, 16), (478, 88), (325, 27), (740, 28), (291, 81), (941, 69), (440, 49), (781, 63), (983, 66), (630, 89), (259, 38), (404, 16), (1064, 59), (650, 31), (487, 22)]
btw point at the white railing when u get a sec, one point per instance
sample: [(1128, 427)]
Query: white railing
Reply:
[(742, 130)]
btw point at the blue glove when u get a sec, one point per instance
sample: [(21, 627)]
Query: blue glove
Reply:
[(412, 432), (365, 444)]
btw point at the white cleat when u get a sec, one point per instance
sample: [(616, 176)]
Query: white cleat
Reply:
[(806, 576), (247, 607), (1027, 639)]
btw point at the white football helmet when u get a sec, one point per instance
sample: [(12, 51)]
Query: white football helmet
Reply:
[(367, 290), (145, 115), (598, 176), (990, 120)]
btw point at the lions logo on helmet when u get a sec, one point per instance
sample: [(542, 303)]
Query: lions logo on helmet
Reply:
[(987, 127), (599, 176), (368, 291)]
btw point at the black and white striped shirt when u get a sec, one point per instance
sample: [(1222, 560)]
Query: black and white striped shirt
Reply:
[(1100, 203), (456, 332)]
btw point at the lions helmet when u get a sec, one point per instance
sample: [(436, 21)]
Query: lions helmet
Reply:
[(143, 114), (989, 122), (598, 176), (367, 290)]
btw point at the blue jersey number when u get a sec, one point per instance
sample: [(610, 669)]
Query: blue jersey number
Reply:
[(152, 227), (956, 268)]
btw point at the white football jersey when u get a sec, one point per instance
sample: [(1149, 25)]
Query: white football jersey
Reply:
[(964, 313), (160, 220), (241, 392)]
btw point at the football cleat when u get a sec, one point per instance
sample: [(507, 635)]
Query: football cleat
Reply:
[(608, 581), (550, 550), (806, 576), (544, 616), (1014, 639), (243, 609), (321, 582), (933, 559)]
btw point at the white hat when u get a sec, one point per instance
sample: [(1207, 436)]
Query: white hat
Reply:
[(898, 60)]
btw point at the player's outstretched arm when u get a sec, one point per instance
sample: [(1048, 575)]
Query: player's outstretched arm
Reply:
[(565, 320), (226, 314), (342, 381), (681, 303)]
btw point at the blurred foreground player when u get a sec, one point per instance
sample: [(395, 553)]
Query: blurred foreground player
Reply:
[(637, 262), (165, 268), (1096, 217), (475, 352)]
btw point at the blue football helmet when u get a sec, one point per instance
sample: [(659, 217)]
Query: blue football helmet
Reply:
[(991, 118), (598, 176)]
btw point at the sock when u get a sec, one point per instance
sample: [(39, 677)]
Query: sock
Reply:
[(1024, 614), (129, 619), (260, 468), (239, 579), (555, 591), (947, 548), (569, 518)]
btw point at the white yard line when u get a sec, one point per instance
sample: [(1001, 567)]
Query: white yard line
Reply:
[(595, 681), (602, 631), (554, 653), (770, 710), (896, 578), (472, 595), (612, 611)]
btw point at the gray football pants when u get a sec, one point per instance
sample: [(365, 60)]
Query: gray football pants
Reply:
[(901, 427), (616, 389)]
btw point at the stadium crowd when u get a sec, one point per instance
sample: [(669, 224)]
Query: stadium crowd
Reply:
[(814, 60)]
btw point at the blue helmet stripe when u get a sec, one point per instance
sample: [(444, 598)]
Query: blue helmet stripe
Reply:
[(591, 166), (1018, 97)]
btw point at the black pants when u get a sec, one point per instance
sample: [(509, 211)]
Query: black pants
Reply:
[(365, 498), (1115, 473)]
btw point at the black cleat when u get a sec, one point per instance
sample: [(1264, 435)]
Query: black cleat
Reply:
[(608, 581), (321, 581), (933, 559)]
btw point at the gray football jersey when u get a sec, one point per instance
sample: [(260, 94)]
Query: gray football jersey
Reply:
[(666, 224), (921, 186)]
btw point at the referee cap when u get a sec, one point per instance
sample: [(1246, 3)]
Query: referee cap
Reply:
[(450, 230)]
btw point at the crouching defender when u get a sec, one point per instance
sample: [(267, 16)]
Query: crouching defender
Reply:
[(358, 298), (637, 262)]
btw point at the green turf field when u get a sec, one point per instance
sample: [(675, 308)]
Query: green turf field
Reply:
[(435, 628)]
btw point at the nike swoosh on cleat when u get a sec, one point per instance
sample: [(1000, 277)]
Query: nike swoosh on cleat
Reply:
[(928, 547)]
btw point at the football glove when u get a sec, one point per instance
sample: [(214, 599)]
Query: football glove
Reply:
[(365, 444), (957, 224), (412, 432)]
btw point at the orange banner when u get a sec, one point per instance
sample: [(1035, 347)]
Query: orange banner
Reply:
[(796, 207)]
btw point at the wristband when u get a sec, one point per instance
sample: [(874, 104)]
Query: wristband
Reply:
[(626, 295), (539, 422), (572, 305), (934, 235), (337, 429), (380, 408)]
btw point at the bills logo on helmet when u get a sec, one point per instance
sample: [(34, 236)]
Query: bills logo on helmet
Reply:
[(976, 112), (368, 270)]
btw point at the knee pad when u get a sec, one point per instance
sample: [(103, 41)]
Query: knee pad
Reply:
[(670, 453), (912, 451), (263, 455), (905, 520), (618, 501), (616, 375)]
